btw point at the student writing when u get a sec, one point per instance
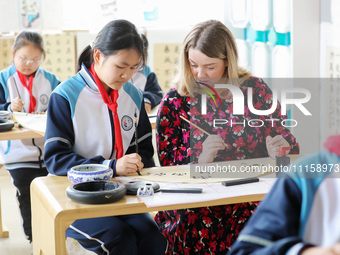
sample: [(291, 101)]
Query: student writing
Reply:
[(91, 120)]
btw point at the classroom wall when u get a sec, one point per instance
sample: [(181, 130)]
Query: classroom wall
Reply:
[(51, 11), (315, 39), (330, 67)]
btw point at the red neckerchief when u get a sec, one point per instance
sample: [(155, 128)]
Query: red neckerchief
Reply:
[(332, 144), (113, 107), (29, 86)]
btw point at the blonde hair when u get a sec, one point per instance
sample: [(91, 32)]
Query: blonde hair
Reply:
[(214, 40)]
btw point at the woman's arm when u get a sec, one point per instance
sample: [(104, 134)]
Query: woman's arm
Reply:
[(172, 133), (263, 100)]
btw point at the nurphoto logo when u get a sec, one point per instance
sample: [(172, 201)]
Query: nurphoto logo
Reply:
[(239, 104)]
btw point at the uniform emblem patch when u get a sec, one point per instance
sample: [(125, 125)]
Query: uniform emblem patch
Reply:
[(43, 99), (126, 122)]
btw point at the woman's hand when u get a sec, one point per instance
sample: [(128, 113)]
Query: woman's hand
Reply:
[(17, 104), (211, 146), (129, 164), (332, 250), (273, 145)]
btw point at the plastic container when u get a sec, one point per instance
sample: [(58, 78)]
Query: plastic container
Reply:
[(96, 192)]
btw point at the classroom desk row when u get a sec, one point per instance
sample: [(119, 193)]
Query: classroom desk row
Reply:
[(53, 211), (24, 133), (15, 133)]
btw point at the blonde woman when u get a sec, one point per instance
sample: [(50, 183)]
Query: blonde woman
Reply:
[(208, 57)]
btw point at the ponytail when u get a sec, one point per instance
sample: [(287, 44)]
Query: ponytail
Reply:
[(85, 57)]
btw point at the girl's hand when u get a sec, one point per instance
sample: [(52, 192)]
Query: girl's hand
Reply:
[(211, 146), (332, 250), (129, 164), (147, 107), (17, 104), (274, 143)]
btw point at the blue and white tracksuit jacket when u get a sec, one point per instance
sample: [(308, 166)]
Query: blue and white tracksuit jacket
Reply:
[(299, 211), (80, 126), (146, 81), (28, 152)]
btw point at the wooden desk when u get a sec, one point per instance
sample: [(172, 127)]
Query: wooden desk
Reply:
[(15, 133), (153, 122), (19, 133), (53, 211), (3, 230)]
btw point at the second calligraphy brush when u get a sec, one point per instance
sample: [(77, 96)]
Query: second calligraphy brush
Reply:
[(205, 132), (136, 140)]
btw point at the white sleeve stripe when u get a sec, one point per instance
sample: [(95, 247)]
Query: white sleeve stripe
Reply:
[(141, 139), (91, 238), (53, 139), (254, 240), (294, 250), (106, 162)]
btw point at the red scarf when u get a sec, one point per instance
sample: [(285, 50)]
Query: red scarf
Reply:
[(113, 107), (28, 86)]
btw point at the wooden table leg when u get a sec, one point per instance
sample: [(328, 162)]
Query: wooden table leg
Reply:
[(48, 231), (3, 231)]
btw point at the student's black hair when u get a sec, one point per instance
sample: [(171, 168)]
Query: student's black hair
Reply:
[(29, 37), (114, 36), (146, 45)]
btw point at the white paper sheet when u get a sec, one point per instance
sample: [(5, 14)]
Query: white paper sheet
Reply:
[(35, 122), (211, 191)]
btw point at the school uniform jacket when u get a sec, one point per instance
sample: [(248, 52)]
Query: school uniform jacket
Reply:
[(80, 126), (299, 211), (28, 152), (146, 81)]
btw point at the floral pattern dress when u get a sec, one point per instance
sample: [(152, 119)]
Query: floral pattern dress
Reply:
[(212, 230)]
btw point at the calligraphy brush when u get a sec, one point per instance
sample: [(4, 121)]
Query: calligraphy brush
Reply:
[(136, 140), (205, 132)]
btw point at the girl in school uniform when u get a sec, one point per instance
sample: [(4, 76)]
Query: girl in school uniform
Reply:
[(91, 120), (25, 87)]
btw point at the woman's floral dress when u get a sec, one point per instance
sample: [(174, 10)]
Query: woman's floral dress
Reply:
[(212, 230)]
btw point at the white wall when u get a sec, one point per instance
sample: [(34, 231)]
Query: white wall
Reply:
[(9, 15), (305, 38), (305, 43), (51, 11)]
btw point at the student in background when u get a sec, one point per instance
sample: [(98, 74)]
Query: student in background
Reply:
[(146, 81), (91, 120), (25, 87), (208, 56), (300, 214)]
